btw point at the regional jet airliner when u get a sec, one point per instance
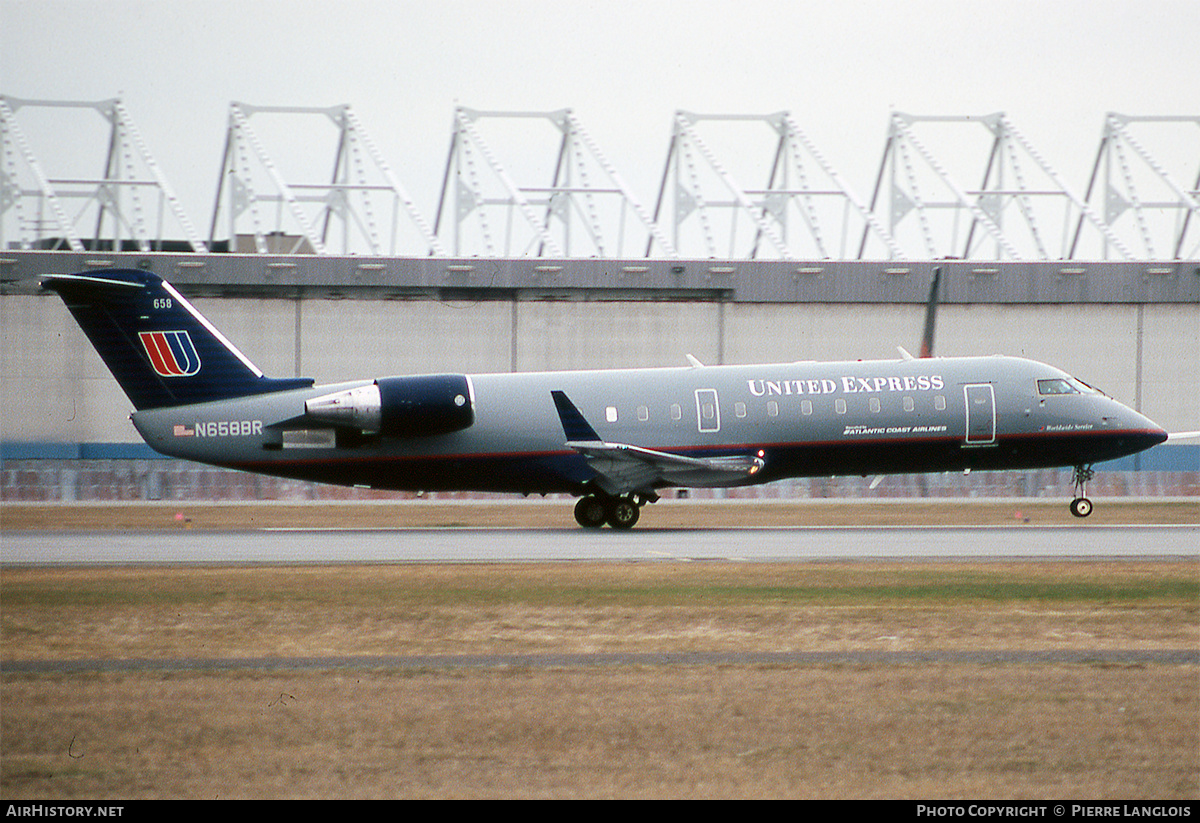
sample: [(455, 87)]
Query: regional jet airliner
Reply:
[(613, 438)]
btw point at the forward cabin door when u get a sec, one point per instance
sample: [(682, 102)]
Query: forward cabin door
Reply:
[(708, 412), (981, 414)]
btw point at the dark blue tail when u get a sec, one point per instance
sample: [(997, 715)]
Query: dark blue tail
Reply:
[(161, 350)]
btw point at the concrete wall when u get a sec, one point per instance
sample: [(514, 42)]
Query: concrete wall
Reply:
[(740, 281), (54, 388)]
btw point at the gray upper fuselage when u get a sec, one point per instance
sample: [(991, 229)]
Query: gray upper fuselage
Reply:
[(807, 418)]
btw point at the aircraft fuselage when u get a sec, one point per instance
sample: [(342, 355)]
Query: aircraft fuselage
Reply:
[(792, 419)]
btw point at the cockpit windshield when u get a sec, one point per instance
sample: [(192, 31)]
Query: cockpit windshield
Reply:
[(1085, 388), (1056, 386), (1065, 385)]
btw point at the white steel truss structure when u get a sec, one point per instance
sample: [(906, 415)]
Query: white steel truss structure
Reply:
[(127, 201), (363, 195), (585, 198), (1011, 214), (707, 200), (1142, 186), (733, 187)]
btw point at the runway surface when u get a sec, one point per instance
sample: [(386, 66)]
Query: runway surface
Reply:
[(444, 545)]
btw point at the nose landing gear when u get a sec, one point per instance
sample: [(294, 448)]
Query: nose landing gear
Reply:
[(1081, 506)]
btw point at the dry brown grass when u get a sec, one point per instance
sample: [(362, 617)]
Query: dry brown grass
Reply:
[(411, 609), (947, 730)]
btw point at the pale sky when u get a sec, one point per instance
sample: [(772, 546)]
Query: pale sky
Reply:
[(1055, 66)]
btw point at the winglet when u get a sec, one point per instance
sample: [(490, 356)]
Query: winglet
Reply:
[(575, 426)]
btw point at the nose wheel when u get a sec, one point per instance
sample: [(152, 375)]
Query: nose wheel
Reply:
[(1081, 506)]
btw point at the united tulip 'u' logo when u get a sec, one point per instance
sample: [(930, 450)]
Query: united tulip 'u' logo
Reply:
[(171, 353)]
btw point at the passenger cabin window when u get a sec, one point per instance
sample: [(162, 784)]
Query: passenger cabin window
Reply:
[(772, 408), (874, 404), (643, 413), (806, 407), (909, 405), (839, 405), (610, 414), (739, 409), (676, 411), (939, 402)]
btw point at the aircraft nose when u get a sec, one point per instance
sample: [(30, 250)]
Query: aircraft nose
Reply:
[(1144, 431), (1152, 437)]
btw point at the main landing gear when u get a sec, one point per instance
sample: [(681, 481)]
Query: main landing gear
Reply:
[(1081, 506), (594, 510)]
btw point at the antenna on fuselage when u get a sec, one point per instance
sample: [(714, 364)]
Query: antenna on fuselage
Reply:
[(931, 313)]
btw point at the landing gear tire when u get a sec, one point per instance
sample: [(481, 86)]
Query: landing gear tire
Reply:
[(623, 513), (1081, 506), (590, 512), (593, 511)]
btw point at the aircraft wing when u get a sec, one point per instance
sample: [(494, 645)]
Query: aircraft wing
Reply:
[(622, 468)]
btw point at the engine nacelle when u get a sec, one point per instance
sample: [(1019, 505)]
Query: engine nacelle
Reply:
[(400, 406)]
